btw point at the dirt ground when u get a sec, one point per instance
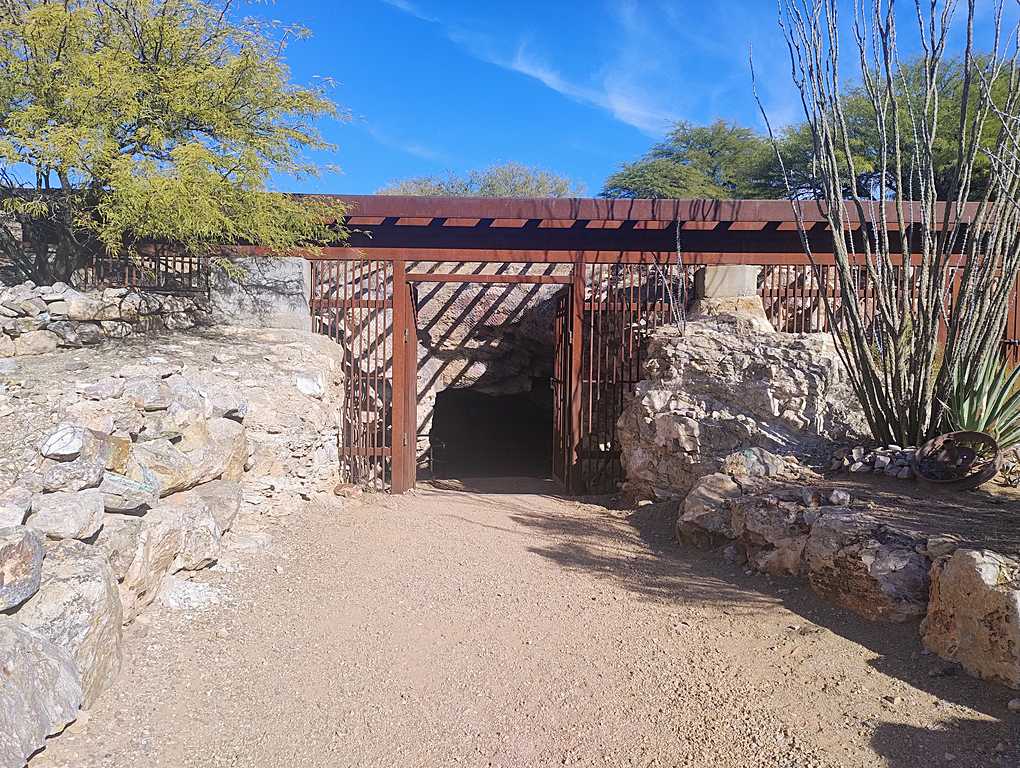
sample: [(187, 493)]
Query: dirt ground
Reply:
[(518, 629)]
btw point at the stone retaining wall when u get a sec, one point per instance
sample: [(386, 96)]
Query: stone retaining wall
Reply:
[(153, 468), (39, 319)]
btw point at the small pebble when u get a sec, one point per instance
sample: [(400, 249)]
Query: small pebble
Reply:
[(1014, 705)]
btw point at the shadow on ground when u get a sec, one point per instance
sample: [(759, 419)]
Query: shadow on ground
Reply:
[(637, 550)]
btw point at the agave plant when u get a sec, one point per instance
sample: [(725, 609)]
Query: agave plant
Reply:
[(986, 398)]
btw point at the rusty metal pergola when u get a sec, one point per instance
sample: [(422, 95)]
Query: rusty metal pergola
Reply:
[(622, 267)]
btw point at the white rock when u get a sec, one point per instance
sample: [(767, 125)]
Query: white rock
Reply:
[(78, 608), (40, 695), (311, 384), (181, 595), (67, 515), (64, 443)]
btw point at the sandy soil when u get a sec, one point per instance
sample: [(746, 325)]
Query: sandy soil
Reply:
[(516, 629)]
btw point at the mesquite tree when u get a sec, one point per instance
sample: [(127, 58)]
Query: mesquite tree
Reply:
[(126, 121), (940, 295)]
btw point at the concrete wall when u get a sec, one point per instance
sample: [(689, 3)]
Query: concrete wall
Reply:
[(270, 293)]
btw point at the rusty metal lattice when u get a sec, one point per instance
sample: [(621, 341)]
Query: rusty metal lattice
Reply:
[(611, 256), (360, 305), (154, 269)]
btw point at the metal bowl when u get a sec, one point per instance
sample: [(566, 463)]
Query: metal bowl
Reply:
[(960, 460)]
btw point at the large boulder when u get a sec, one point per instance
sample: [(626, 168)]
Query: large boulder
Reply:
[(40, 692), (21, 559), (222, 497), (974, 614), (67, 515), (36, 343), (217, 448), (200, 533), (78, 608), (141, 552), (773, 533), (705, 516), (722, 386), (870, 568)]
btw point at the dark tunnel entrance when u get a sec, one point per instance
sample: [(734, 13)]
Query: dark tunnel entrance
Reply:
[(480, 435)]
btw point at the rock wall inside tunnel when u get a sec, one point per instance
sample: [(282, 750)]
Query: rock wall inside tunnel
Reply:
[(495, 340)]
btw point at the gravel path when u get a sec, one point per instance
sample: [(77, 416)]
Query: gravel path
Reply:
[(448, 628)]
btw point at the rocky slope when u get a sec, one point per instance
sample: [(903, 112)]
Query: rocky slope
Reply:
[(129, 464)]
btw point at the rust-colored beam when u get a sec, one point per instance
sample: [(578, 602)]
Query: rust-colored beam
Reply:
[(607, 210), (436, 277)]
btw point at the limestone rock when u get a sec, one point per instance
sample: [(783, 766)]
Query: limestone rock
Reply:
[(7, 346), (67, 515), (724, 387), (78, 608), (974, 614), (200, 533), (122, 494), (40, 695), (705, 517), (15, 504), (223, 498), (21, 559), (36, 343), (874, 570), (774, 534)]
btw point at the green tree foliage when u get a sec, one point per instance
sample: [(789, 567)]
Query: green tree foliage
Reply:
[(720, 160), (505, 180), (130, 120), (723, 160)]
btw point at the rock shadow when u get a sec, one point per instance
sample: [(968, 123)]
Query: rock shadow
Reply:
[(638, 551)]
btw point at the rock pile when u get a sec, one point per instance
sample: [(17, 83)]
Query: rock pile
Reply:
[(969, 599), (805, 529), (151, 469), (889, 460), (727, 384), (35, 319)]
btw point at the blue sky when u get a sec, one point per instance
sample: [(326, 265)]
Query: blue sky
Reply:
[(574, 86)]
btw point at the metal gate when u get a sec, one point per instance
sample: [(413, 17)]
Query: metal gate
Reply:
[(561, 444), (624, 304), (364, 306)]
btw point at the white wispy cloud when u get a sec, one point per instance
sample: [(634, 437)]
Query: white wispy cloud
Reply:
[(628, 104), (411, 9), (407, 146)]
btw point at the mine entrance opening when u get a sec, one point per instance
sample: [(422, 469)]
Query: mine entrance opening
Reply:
[(475, 434)]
